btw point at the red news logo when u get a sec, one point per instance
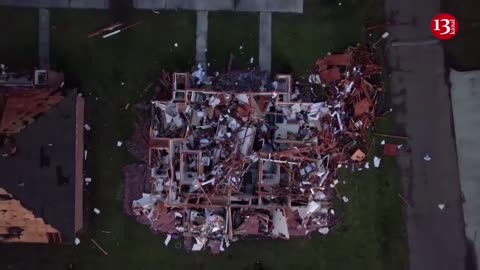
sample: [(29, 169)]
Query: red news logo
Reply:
[(444, 26)]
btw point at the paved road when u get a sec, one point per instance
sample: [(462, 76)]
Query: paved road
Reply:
[(44, 38), (265, 41), (202, 34), (93, 4), (291, 6), (436, 238), (465, 94)]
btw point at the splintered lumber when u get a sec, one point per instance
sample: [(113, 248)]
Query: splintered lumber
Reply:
[(99, 247), (391, 136)]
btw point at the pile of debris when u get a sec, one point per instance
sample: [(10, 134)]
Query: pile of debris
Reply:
[(241, 154)]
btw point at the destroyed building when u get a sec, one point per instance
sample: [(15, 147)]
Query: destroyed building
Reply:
[(243, 153), (41, 158)]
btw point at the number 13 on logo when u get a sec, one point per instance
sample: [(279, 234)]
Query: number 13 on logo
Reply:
[(444, 26)]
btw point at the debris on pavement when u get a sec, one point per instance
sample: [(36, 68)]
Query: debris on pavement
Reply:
[(96, 211), (242, 153), (77, 241), (119, 143), (427, 157), (403, 199), (441, 206), (87, 127)]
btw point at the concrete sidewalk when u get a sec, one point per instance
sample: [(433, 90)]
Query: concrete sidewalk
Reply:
[(202, 36), (93, 4), (436, 238), (265, 41), (290, 6), (465, 94)]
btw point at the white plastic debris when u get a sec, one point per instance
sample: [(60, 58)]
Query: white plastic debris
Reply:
[(323, 230), (441, 206), (88, 179), (399, 146), (382, 142), (340, 3), (167, 240), (427, 157), (85, 154), (376, 162), (119, 143), (197, 247), (87, 127), (335, 182), (345, 199), (241, 47), (96, 211), (50, 145), (367, 165), (176, 44), (77, 241), (221, 246), (385, 35), (251, 60), (122, 83)]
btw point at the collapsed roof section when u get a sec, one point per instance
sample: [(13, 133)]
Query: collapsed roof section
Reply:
[(238, 154), (23, 97)]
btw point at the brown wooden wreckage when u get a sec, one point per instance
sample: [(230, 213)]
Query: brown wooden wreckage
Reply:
[(240, 153)]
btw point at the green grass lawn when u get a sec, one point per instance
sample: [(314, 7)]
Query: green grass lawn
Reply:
[(18, 44), (371, 234), (232, 33)]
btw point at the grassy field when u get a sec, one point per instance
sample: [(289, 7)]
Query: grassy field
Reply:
[(371, 235)]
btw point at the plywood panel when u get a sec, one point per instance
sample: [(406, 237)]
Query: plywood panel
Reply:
[(15, 217)]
